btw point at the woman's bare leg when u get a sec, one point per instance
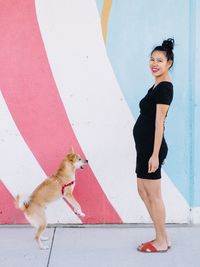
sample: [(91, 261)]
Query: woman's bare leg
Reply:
[(150, 192)]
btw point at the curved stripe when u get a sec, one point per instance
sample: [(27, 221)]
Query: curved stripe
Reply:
[(105, 16), (97, 111), (96, 107), (8, 213), (21, 173), (33, 100)]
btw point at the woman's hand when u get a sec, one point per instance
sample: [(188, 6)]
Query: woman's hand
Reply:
[(153, 164)]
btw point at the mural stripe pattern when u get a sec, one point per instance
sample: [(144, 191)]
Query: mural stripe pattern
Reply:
[(33, 100), (23, 174), (58, 90)]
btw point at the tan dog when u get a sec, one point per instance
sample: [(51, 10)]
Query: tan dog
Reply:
[(59, 185)]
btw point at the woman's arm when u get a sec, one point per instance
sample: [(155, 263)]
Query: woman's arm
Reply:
[(161, 111)]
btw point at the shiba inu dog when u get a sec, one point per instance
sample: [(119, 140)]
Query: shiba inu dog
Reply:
[(60, 184)]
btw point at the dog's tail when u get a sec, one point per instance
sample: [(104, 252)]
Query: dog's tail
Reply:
[(22, 202)]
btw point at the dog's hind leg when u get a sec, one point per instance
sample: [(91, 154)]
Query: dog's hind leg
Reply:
[(38, 237), (44, 238), (38, 220), (42, 224)]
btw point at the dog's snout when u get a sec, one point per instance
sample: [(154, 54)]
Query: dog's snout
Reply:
[(86, 161)]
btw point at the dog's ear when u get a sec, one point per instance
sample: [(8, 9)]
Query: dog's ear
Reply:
[(16, 202), (71, 151), (71, 157)]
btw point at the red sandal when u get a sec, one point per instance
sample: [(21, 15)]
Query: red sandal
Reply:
[(149, 248), (169, 246)]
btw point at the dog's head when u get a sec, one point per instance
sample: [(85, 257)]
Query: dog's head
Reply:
[(76, 160)]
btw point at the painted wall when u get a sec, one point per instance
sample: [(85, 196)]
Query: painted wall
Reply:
[(72, 74)]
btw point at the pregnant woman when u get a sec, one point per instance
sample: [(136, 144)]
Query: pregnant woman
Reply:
[(150, 143)]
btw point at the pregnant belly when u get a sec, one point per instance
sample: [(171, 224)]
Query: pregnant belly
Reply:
[(144, 133), (144, 129)]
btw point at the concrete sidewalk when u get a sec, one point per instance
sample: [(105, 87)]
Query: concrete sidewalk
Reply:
[(102, 246)]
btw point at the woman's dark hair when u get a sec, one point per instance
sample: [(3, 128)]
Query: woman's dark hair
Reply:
[(167, 47)]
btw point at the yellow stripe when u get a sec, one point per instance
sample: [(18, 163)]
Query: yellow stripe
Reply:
[(104, 17)]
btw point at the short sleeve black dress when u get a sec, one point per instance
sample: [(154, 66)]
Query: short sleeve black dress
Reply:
[(144, 129)]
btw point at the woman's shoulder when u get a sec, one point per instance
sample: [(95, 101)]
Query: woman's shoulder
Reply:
[(161, 85), (164, 84), (163, 93), (164, 87)]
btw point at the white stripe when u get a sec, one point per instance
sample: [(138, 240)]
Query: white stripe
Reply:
[(20, 171), (177, 208), (195, 215), (96, 108)]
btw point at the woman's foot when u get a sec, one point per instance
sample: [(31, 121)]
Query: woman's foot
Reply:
[(160, 245), (169, 244), (153, 247)]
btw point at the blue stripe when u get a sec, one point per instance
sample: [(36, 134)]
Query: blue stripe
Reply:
[(99, 5), (191, 71)]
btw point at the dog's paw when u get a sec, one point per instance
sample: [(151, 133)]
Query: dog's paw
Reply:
[(41, 245), (44, 238), (79, 213)]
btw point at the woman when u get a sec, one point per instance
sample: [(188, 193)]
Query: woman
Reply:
[(150, 143)]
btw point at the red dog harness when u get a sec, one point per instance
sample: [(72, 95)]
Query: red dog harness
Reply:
[(66, 185)]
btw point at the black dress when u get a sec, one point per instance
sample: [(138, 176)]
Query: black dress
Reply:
[(144, 129)]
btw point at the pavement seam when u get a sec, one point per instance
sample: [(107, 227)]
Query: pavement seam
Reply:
[(52, 242)]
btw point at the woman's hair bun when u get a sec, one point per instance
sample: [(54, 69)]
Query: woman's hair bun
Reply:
[(168, 44)]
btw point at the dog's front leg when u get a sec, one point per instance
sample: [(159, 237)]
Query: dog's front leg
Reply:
[(77, 208)]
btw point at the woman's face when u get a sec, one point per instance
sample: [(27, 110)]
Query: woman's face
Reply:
[(159, 64)]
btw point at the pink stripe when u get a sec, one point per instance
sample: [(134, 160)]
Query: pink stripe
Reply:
[(8, 213), (32, 97)]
